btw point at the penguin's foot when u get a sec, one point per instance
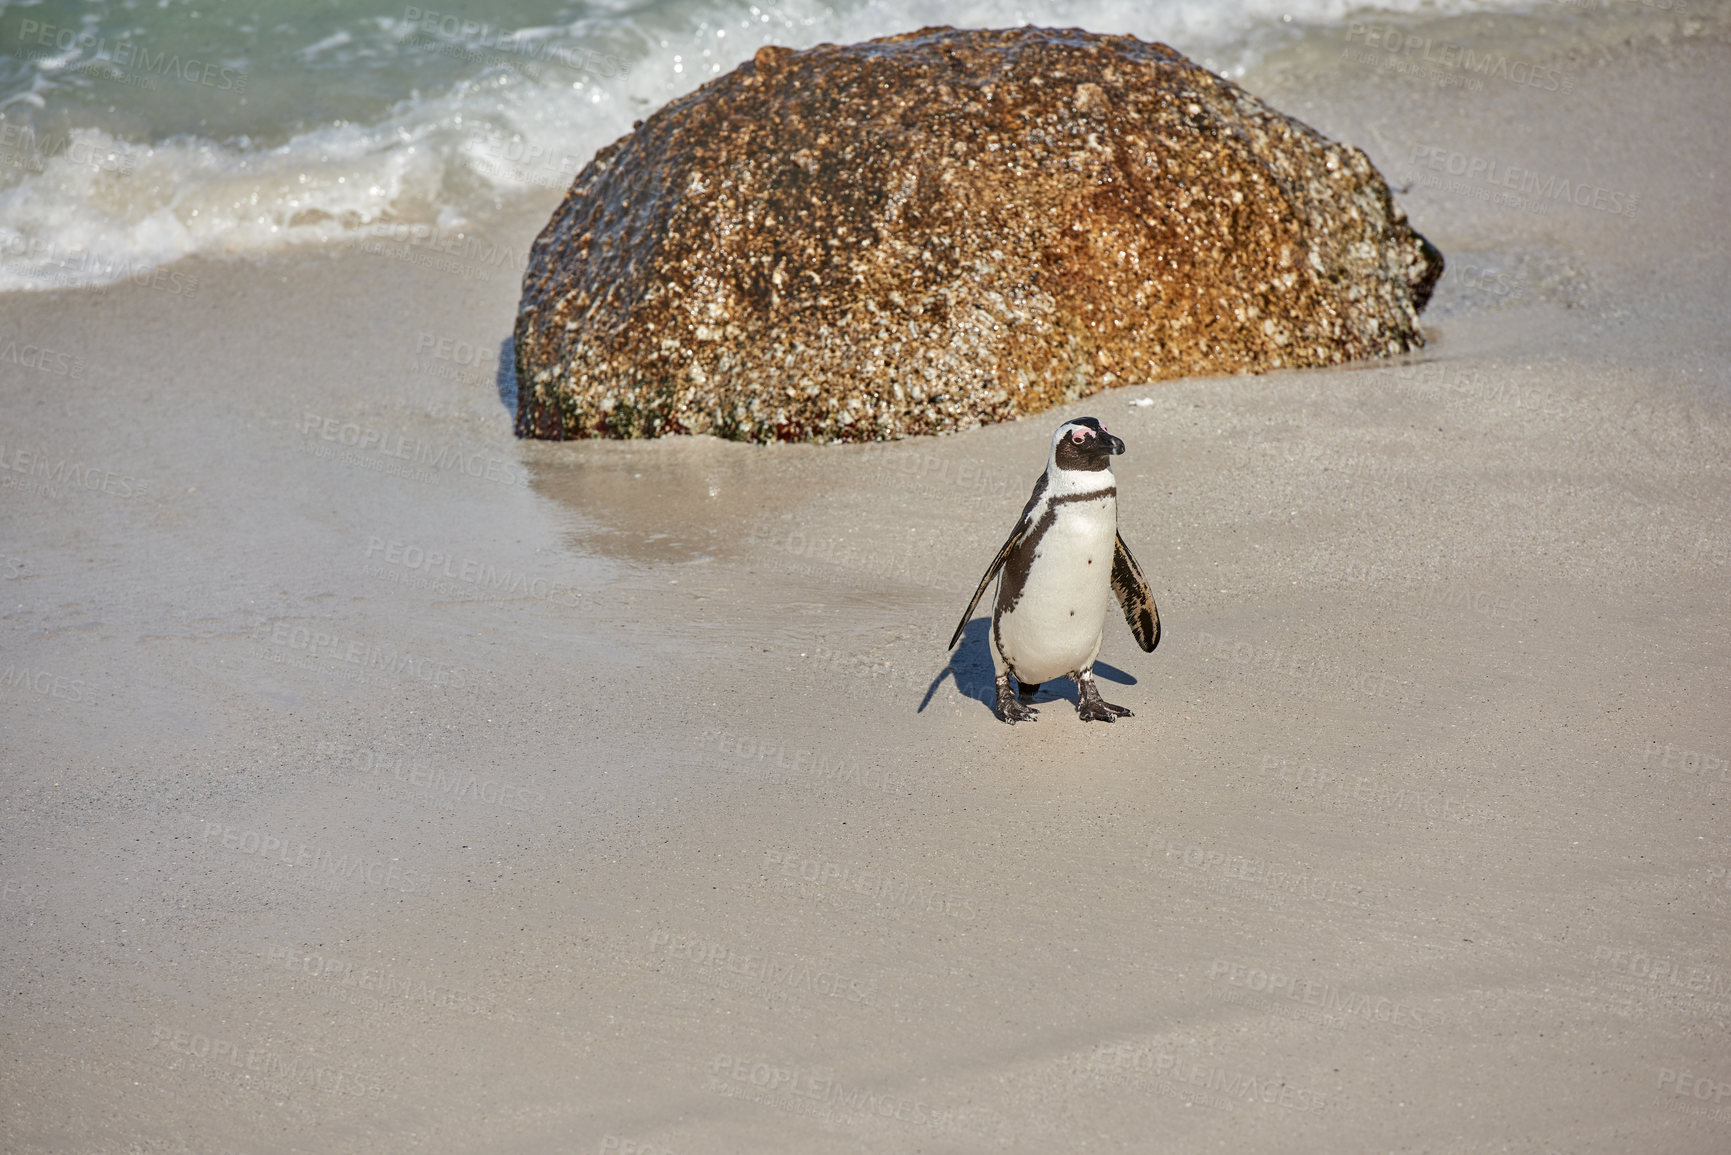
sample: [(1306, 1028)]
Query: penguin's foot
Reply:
[(1009, 710), (1091, 707)]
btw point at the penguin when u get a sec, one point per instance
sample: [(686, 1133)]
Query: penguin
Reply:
[(1056, 574)]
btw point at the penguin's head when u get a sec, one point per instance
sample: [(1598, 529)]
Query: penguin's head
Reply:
[(1084, 444)]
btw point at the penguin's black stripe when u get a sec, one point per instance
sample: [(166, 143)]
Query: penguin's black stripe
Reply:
[(1091, 495), (1017, 565), (1021, 558)]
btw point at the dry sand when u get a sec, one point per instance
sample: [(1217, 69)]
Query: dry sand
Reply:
[(598, 797)]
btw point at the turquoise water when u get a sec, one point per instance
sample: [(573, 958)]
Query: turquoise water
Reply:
[(267, 72), (135, 133)]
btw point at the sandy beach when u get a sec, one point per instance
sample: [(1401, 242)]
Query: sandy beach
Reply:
[(378, 782)]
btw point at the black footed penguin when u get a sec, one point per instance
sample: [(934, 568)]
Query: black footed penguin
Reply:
[(1057, 573)]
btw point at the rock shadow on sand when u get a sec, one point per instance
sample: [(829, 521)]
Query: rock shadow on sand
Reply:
[(505, 376)]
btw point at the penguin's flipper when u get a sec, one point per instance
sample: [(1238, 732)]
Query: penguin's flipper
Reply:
[(991, 572), (1136, 598), (1023, 525)]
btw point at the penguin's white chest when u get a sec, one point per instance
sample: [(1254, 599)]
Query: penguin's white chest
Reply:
[(1055, 624)]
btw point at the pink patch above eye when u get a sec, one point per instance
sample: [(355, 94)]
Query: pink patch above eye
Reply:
[(1078, 437)]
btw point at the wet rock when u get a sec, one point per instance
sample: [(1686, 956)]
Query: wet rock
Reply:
[(943, 228)]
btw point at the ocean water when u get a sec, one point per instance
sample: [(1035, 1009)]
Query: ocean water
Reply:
[(134, 133)]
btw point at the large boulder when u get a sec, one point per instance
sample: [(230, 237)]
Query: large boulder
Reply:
[(943, 228)]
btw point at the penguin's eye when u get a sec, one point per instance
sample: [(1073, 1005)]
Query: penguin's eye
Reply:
[(1078, 437)]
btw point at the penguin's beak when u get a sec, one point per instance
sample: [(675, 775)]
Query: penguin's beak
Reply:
[(1113, 444)]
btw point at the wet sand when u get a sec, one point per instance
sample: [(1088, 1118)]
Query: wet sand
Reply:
[(376, 782)]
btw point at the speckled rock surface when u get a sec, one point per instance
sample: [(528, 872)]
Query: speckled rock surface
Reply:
[(943, 228)]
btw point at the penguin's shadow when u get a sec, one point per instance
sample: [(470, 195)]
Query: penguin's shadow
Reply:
[(971, 668)]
